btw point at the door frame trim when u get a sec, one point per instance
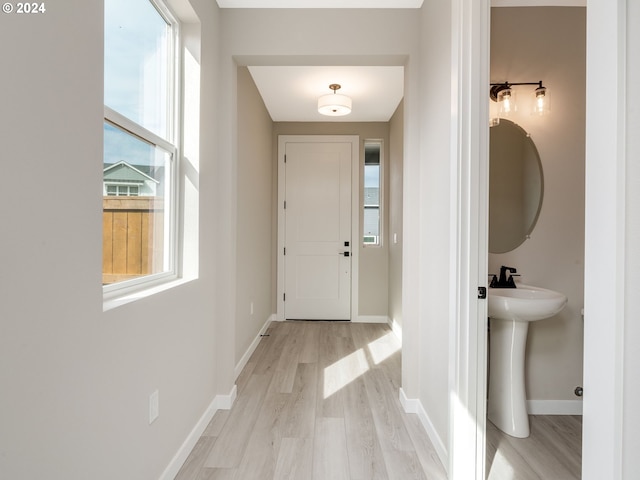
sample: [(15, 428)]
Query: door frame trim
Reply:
[(469, 214), (354, 140)]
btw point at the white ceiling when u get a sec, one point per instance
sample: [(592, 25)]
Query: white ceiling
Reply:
[(291, 93)]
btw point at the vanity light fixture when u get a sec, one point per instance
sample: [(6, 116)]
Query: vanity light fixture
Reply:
[(504, 96), (334, 105), (541, 101)]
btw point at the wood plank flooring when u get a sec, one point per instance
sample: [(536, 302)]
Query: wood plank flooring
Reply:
[(553, 451), (317, 401)]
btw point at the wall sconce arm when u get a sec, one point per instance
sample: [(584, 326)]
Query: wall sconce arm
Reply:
[(496, 88)]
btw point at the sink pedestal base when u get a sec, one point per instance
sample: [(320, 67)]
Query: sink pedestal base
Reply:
[(507, 404)]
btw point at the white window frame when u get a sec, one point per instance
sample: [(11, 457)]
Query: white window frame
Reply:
[(364, 206), (121, 185), (172, 147)]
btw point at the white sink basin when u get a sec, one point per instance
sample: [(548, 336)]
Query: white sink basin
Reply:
[(511, 310), (524, 303)]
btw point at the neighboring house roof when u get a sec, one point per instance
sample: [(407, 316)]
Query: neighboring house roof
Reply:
[(124, 172), (371, 196)]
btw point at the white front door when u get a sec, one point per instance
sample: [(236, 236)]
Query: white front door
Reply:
[(317, 244)]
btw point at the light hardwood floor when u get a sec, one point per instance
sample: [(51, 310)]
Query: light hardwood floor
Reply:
[(553, 451), (317, 401)]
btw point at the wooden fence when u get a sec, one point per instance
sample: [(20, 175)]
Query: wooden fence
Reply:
[(132, 237)]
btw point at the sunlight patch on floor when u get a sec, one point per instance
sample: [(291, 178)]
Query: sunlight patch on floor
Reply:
[(501, 469), (344, 371), (384, 347)]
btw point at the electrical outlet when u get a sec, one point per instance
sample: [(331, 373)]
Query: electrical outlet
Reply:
[(154, 406)]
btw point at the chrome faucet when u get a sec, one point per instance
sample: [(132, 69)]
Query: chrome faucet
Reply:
[(503, 281)]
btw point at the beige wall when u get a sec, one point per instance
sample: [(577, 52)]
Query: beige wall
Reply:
[(373, 264), (76, 380), (394, 195), (429, 241), (255, 220), (554, 256)]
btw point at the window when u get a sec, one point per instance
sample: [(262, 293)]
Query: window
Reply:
[(123, 190), (372, 193), (140, 151)]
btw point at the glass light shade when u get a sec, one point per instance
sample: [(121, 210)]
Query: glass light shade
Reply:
[(506, 103), (494, 118), (334, 105), (540, 101)]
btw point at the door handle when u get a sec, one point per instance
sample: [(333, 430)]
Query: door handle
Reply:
[(346, 254)]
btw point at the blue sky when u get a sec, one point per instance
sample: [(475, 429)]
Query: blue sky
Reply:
[(372, 176), (135, 76), (119, 146)]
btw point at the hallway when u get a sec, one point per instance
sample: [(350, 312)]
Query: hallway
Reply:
[(317, 400)]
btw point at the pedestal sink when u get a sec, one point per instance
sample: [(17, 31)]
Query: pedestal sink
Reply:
[(511, 310)]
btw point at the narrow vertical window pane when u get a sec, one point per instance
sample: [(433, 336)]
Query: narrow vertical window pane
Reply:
[(136, 178), (136, 67), (372, 194)]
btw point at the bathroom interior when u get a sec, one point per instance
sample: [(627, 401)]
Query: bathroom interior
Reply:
[(529, 45)]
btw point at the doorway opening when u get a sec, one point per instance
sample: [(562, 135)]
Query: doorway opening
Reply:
[(552, 254)]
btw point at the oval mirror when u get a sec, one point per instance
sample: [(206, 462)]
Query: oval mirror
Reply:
[(515, 186)]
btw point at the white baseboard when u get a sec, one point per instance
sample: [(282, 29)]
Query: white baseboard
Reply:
[(225, 402), (413, 405), (371, 319), (396, 328), (554, 407), (245, 358), (220, 402)]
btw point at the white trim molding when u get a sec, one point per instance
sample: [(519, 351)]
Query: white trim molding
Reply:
[(252, 348), (606, 241), (371, 319), (225, 402), (220, 402), (554, 407), (413, 405), (396, 328), (469, 222)]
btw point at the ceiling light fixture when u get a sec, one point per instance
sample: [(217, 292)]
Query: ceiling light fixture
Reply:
[(334, 105), (504, 96)]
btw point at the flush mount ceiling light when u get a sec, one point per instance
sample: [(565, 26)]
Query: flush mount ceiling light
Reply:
[(334, 105), (504, 96)]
